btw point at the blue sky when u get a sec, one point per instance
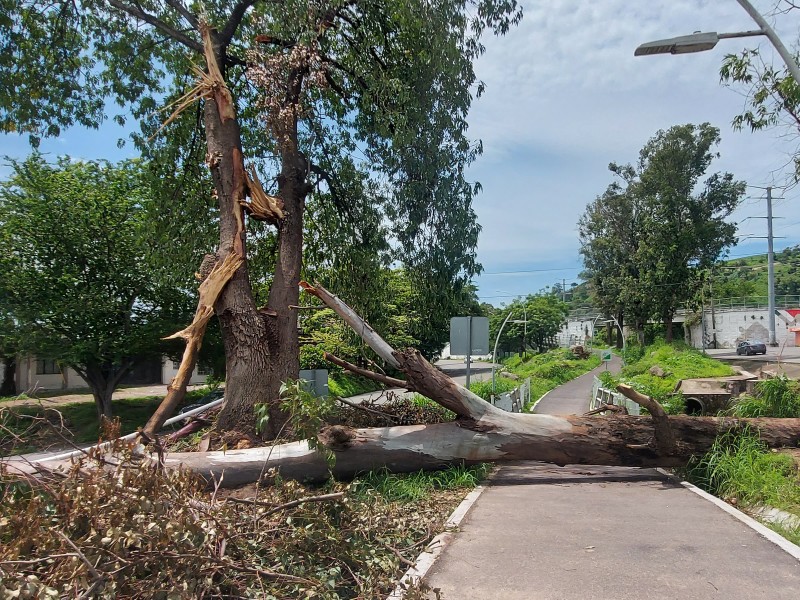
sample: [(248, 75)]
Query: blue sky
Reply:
[(565, 96)]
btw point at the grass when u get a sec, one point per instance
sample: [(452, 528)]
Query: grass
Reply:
[(80, 418), (740, 468), (410, 487), (550, 369), (484, 388), (344, 385), (778, 397), (677, 360)]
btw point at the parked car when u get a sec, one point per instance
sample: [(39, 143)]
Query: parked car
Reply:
[(749, 347)]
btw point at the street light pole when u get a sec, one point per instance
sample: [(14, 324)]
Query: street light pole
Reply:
[(770, 271), (496, 341), (773, 37), (699, 42)]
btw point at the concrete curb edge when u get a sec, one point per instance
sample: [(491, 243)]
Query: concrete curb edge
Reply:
[(434, 549), (777, 539), (533, 406)]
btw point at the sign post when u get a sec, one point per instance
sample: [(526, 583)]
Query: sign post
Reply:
[(469, 336), (605, 356)]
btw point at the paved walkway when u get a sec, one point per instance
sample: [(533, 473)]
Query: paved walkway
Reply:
[(545, 532)]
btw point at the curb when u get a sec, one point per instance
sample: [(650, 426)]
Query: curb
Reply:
[(434, 549), (533, 406), (762, 530)]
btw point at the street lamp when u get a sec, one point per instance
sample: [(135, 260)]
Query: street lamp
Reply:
[(497, 339), (699, 42)]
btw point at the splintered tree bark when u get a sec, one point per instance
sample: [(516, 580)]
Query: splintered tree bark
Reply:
[(210, 290), (481, 433)]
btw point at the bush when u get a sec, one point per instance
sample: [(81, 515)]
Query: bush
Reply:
[(740, 467), (778, 397)]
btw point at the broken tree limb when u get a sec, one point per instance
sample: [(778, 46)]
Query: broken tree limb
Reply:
[(614, 440), (379, 377), (356, 323), (665, 437), (210, 290)]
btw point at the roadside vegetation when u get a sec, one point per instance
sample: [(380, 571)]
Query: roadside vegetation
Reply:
[(655, 370), (135, 532)]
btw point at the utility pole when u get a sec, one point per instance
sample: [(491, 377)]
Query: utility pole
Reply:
[(770, 265), (563, 290), (770, 271)]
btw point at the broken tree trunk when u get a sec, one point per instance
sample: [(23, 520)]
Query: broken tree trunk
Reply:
[(481, 433)]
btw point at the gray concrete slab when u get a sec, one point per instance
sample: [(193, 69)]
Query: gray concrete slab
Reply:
[(546, 532)]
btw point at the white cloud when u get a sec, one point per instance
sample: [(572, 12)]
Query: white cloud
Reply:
[(565, 96)]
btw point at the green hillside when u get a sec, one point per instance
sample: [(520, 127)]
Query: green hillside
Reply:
[(748, 276)]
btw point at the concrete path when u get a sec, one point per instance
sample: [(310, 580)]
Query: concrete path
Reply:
[(545, 532), (573, 397)]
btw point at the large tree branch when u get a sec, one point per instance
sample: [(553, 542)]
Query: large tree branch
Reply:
[(379, 377), (184, 12), (237, 14), (140, 14)]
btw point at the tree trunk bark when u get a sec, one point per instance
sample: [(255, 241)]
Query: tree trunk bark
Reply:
[(495, 437), (261, 346), (668, 328), (9, 386)]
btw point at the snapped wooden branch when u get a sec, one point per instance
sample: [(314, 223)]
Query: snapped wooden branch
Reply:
[(262, 206), (665, 437), (210, 84), (210, 290), (379, 377)]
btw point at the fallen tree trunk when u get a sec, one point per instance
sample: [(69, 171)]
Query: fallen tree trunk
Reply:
[(615, 440), (481, 433)]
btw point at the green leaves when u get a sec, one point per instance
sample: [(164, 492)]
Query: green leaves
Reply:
[(646, 240), (79, 275)]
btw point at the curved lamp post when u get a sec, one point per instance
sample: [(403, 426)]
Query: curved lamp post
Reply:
[(497, 339), (611, 320), (699, 42)]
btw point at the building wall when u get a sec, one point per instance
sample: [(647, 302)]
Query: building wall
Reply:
[(735, 325), (730, 325), (27, 379)]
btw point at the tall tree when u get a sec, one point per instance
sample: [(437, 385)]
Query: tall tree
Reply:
[(79, 274), (685, 229), (645, 245), (391, 80)]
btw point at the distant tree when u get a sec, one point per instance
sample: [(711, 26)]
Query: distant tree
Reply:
[(647, 242), (545, 314), (685, 228), (79, 273)]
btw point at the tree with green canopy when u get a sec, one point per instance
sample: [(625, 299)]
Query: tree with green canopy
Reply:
[(389, 82), (646, 244), (535, 321), (80, 277)]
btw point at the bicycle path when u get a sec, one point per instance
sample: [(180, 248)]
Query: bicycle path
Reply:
[(540, 531)]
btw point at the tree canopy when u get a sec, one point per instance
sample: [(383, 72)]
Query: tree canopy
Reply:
[(647, 241), (539, 318), (80, 276), (346, 117)]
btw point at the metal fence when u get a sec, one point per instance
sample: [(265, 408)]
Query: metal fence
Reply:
[(601, 395), (515, 400)]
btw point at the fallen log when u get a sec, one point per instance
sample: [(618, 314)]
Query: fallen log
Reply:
[(481, 433), (614, 440)]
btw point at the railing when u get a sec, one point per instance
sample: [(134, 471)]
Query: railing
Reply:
[(515, 400), (756, 302), (601, 395)]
